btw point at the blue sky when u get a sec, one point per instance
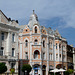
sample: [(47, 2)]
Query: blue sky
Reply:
[(57, 14)]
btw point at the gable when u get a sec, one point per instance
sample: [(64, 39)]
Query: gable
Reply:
[(3, 18), (26, 30)]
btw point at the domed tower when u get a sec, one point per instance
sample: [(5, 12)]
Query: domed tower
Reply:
[(33, 20)]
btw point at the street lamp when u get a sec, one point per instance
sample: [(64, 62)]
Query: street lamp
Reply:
[(25, 72)]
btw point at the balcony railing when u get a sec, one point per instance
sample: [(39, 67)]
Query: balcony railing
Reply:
[(3, 57)]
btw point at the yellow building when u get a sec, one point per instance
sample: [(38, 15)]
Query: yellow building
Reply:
[(42, 48)]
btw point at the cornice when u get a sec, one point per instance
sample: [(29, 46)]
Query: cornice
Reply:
[(9, 27)]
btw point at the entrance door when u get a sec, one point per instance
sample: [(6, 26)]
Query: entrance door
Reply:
[(36, 72), (44, 69)]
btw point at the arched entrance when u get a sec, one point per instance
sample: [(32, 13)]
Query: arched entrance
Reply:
[(36, 69), (59, 66), (44, 69)]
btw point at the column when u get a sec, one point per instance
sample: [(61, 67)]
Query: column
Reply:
[(16, 66), (47, 68), (74, 59), (41, 70), (58, 53), (8, 46), (54, 53)]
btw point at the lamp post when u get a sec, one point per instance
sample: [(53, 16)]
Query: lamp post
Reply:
[(25, 72)]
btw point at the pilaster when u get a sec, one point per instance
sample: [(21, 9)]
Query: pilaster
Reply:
[(8, 46), (47, 68)]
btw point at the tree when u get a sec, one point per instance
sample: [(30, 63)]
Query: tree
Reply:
[(26, 67), (3, 68), (12, 70)]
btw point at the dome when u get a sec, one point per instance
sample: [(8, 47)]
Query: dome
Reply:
[(33, 20), (34, 16)]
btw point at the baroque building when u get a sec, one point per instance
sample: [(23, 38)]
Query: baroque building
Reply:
[(9, 42), (41, 47)]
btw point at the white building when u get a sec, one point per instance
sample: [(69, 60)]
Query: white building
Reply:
[(8, 42)]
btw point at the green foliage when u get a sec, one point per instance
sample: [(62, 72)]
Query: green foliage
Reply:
[(3, 68), (68, 72), (12, 70), (26, 67)]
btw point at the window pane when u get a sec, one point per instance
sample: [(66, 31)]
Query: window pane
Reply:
[(43, 43), (12, 65), (35, 29), (2, 36), (35, 42), (1, 51), (13, 35), (13, 52), (26, 43), (26, 55)]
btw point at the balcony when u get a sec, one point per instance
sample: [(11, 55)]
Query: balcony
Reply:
[(3, 57), (12, 58)]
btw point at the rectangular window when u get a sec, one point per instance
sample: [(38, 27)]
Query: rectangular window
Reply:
[(63, 47), (56, 56), (2, 36), (1, 51), (43, 55), (12, 65), (50, 44), (63, 57), (13, 52), (51, 56), (60, 56), (56, 45), (13, 37), (26, 55)]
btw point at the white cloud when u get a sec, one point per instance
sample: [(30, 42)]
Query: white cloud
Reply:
[(45, 9)]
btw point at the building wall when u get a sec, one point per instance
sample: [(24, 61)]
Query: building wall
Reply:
[(7, 29), (48, 54)]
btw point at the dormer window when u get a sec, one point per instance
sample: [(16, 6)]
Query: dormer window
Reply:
[(26, 30), (35, 29)]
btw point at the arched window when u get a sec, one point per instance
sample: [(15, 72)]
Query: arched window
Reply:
[(43, 43), (35, 42), (35, 29), (56, 45), (26, 43), (36, 54)]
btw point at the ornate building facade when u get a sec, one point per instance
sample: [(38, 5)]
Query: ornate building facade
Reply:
[(42, 48), (8, 42)]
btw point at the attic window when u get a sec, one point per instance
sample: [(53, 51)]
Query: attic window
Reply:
[(43, 31)]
